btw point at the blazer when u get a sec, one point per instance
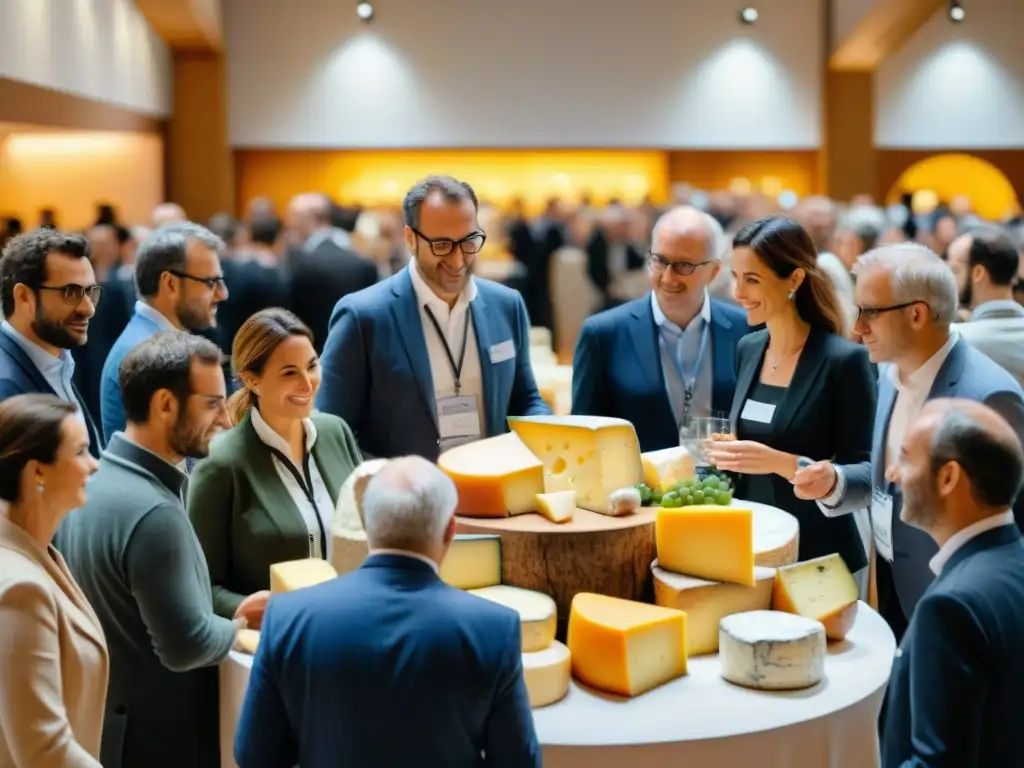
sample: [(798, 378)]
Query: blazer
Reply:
[(826, 413), (19, 376), (954, 691), (996, 329), (617, 368), (54, 667), (968, 374), (243, 514), (340, 662), (376, 370), (139, 329)]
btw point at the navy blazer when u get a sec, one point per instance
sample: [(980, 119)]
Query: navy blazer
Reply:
[(617, 368), (376, 370), (341, 663), (954, 692), (967, 374), (19, 376)]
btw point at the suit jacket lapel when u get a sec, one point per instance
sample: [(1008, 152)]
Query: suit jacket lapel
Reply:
[(644, 334), (809, 368), (745, 377), (95, 438), (410, 325), (330, 463), (722, 363), (950, 372), (883, 415), (266, 483), (12, 348), (479, 310)]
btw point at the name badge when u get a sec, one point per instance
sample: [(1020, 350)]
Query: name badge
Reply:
[(458, 420), (881, 522), (503, 351), (762, 413)]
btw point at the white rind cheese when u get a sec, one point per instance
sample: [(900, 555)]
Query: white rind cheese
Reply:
[(771, 650), (776, 536), (537, 612), (348, 539), (547, 674)]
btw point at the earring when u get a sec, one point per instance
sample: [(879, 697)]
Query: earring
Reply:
[(790, 295), (39, 486)]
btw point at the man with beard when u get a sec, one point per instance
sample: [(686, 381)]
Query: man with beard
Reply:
[(432, 357), (954, 693), (139, 563), (179, 281), (49, 292)]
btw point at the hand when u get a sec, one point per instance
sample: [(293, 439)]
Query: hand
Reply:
[(749, 458), (253, 607), (814, 481)]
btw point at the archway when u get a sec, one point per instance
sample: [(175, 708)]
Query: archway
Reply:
[(948, 175)]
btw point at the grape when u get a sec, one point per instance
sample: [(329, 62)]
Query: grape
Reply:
[(711, 482), (722, 498), (688, 501), (698, 497)]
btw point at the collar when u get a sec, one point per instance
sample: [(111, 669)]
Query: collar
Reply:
[(337, 235), (406, 553), (964, 535), (922, 379), (269, 437), (42, 359), (424, 294), (998, 309), (663, 322), (167, 473), (154, 316)]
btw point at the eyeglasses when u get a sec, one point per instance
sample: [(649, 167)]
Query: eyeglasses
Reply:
[(73, 293), (872, 313), (470, 244), (682, 268), (209, 282)]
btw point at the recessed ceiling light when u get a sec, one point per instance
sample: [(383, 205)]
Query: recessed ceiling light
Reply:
[(364, 11), (749, 15), (956, 12)]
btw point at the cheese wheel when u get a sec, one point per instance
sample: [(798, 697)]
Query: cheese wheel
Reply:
[(348, 513), (822, 589), (473, 561), (547, 674), (297, 574), (537, 613), (495, 477), (348, 550), (558, 507), (776, 536), (771, 650)]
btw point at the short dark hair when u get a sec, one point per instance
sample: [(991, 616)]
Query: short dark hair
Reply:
[(165, 250), (264, 229), (30, 429), (995, 251), (163, 361), (994, 464), (24, 260), (453, 190)]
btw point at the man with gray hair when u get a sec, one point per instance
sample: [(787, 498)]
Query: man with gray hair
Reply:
[(906, 300), (340, 662), (179, 282), (665, 359)]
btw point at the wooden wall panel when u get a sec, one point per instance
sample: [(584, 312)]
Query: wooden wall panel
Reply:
[(30, 104), (771, 171), (851, 158)]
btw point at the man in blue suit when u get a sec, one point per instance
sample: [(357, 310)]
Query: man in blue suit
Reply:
[(432, 357), (669, 357), (954, 693), (390, 644)]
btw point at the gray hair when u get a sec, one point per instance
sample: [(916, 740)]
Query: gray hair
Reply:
[(408, 505), (685, 217), (917, 274), (165, 250), (453, 191), (868, 223)]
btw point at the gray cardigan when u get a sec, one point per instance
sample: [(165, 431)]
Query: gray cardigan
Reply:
[(135, 556)]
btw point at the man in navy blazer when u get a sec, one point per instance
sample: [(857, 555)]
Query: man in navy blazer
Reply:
[(954, 692), (390, 644), (432, 357), (668, 357)]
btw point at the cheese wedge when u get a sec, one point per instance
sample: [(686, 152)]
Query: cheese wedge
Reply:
[(625, 647), (592, 455), (297, 574), (348, 537), (537, 613), (473, 561), (822, 589), (495, 477), (707, 542), (665, 468), (706, 603), (772, 651), (558, 507), (547, 674), (248, 640)]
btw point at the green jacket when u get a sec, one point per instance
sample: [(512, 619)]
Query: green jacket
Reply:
[(243, 514)]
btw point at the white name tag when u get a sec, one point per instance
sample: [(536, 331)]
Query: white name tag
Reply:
[(881, 522), (458, 420), (762, 413), (503, 351)]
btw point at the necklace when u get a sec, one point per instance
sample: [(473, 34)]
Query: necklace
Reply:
[(790, 356)]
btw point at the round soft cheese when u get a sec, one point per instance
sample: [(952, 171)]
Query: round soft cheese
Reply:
[(537, 612), (771, 650), (547, 674)]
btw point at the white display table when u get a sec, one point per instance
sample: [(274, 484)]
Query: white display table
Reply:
[(700, 719)]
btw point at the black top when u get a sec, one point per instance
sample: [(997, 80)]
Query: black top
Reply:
[(760, 488)]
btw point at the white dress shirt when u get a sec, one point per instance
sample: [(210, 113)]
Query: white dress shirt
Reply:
[(406, 553), (314, 516), (684, 344), (964, 535)]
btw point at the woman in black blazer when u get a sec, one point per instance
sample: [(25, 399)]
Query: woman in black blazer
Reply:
[(803, 392)]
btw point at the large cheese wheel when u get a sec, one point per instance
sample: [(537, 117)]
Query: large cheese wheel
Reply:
[(536, 611), (822, 589), (776, 535), (707, 542), (771, 650), (547, 674), (348, 537), (473, 561), (495, 477), (297, 574)]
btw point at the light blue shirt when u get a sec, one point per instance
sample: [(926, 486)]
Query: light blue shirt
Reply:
[(154, 316), (56, 370), (684, 344)]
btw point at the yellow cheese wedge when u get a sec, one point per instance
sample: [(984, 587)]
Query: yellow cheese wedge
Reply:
[(537, 612), (547, 674), (248, 640), (473, 561), (495, 477), (624, 647), (558, 507), (296, 574), (822, 589), (665, 468), (707, 542), (592, 455), (708, 602)]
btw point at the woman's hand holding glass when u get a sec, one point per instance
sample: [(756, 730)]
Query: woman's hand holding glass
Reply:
[(747, 457)]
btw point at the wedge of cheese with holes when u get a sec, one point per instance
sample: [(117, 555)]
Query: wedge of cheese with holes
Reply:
[(591, 455), (822, 589), (558, 507), (624, 647), (771, 650), (706, 603), (537, 613), (665, 468), (707, 542), (473, 561), (547, 674), (297, 574), (495, 477), (348, 538)]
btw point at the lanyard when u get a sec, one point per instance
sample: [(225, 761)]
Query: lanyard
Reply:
[(689, 382), (456, 369), (305, 481)]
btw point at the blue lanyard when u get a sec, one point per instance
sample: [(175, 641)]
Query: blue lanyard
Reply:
[(689, 382)]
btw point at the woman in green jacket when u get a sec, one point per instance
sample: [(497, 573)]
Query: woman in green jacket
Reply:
[(267, 492)]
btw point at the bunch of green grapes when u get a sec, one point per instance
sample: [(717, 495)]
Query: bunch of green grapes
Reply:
[(712, 489)]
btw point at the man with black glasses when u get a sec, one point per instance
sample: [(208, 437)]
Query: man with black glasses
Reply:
[(666, 358), (49, 293), (432, 357), (180, 283)]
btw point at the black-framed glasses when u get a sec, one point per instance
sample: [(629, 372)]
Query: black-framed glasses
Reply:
[(682, 268), (73, 293), (873, 313), (470, 244), (209, 282)]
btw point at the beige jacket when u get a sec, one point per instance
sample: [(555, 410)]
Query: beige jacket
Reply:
[(53, 660)]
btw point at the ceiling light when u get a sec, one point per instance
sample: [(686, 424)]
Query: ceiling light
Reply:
[(956, 12), (749, 15), (364, 11)]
